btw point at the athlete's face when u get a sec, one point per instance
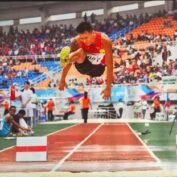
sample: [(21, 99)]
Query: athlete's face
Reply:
[(12, 111), (87, 38)]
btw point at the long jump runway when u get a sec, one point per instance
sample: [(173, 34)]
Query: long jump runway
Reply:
[(91, 147)]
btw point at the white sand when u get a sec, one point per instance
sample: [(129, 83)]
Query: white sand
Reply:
[(96, 174)]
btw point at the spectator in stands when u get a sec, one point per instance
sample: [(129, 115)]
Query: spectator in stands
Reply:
[(175, 34), (88, 81), (167, 24), (36, 71), (89, 41), (85, 17), (165, 54), (85, 105), (92, 17), (7, 121), (19, 119), (19, 74), (71, 110), (50, 109), (25, 73)]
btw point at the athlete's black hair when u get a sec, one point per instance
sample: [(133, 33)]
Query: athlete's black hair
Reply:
[(85, 94), (12, 107), (27, 82), (22, 111), (83, 27)]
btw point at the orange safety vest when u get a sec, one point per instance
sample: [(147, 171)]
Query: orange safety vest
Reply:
[(72, 108), (85, 102), (50, 105)]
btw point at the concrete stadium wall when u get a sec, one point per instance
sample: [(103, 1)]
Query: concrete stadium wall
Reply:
[(69, 7)]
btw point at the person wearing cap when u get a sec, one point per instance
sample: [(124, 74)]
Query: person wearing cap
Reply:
[(71, 110)]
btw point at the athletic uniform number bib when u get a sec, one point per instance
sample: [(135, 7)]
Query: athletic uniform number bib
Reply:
[(95, 58)]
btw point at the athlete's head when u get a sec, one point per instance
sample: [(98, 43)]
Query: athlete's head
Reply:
[(85, 94), (12, 110), (21, 113), (26, 85), (84, 30), (84, 27)]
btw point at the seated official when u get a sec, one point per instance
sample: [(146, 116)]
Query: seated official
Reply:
[(71, 110)]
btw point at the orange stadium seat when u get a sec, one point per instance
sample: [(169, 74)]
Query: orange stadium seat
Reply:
[(30, 66), (43, 84), (155, 26)]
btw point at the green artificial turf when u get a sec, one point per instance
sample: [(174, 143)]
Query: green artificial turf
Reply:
[(159, 140), (39, 130)]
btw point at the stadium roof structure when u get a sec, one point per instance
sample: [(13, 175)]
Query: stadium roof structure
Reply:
[(20, 4)]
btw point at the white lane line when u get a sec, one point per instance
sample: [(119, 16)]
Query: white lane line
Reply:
[(146, 147), (7, 149), (58, 165), (62, 129)]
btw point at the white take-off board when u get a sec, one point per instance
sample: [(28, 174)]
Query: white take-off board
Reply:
[(31, 148)]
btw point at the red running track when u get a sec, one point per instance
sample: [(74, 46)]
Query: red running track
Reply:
[(88, 147)]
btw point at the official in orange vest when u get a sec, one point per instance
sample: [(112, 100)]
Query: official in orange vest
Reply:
[(85, 105), (50, 108), (156, 106), (71, 110)]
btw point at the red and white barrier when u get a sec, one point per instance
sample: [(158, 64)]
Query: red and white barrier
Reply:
[(31, 148)]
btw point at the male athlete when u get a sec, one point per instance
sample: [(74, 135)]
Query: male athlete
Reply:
[(7, 121), (90, 52)]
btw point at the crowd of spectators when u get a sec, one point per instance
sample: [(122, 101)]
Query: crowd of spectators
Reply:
[(8, 72), (50, 40), (140, 67)]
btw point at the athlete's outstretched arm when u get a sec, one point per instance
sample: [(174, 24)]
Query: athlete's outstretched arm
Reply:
[(62, 83), (12, 121), (107, 45)]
